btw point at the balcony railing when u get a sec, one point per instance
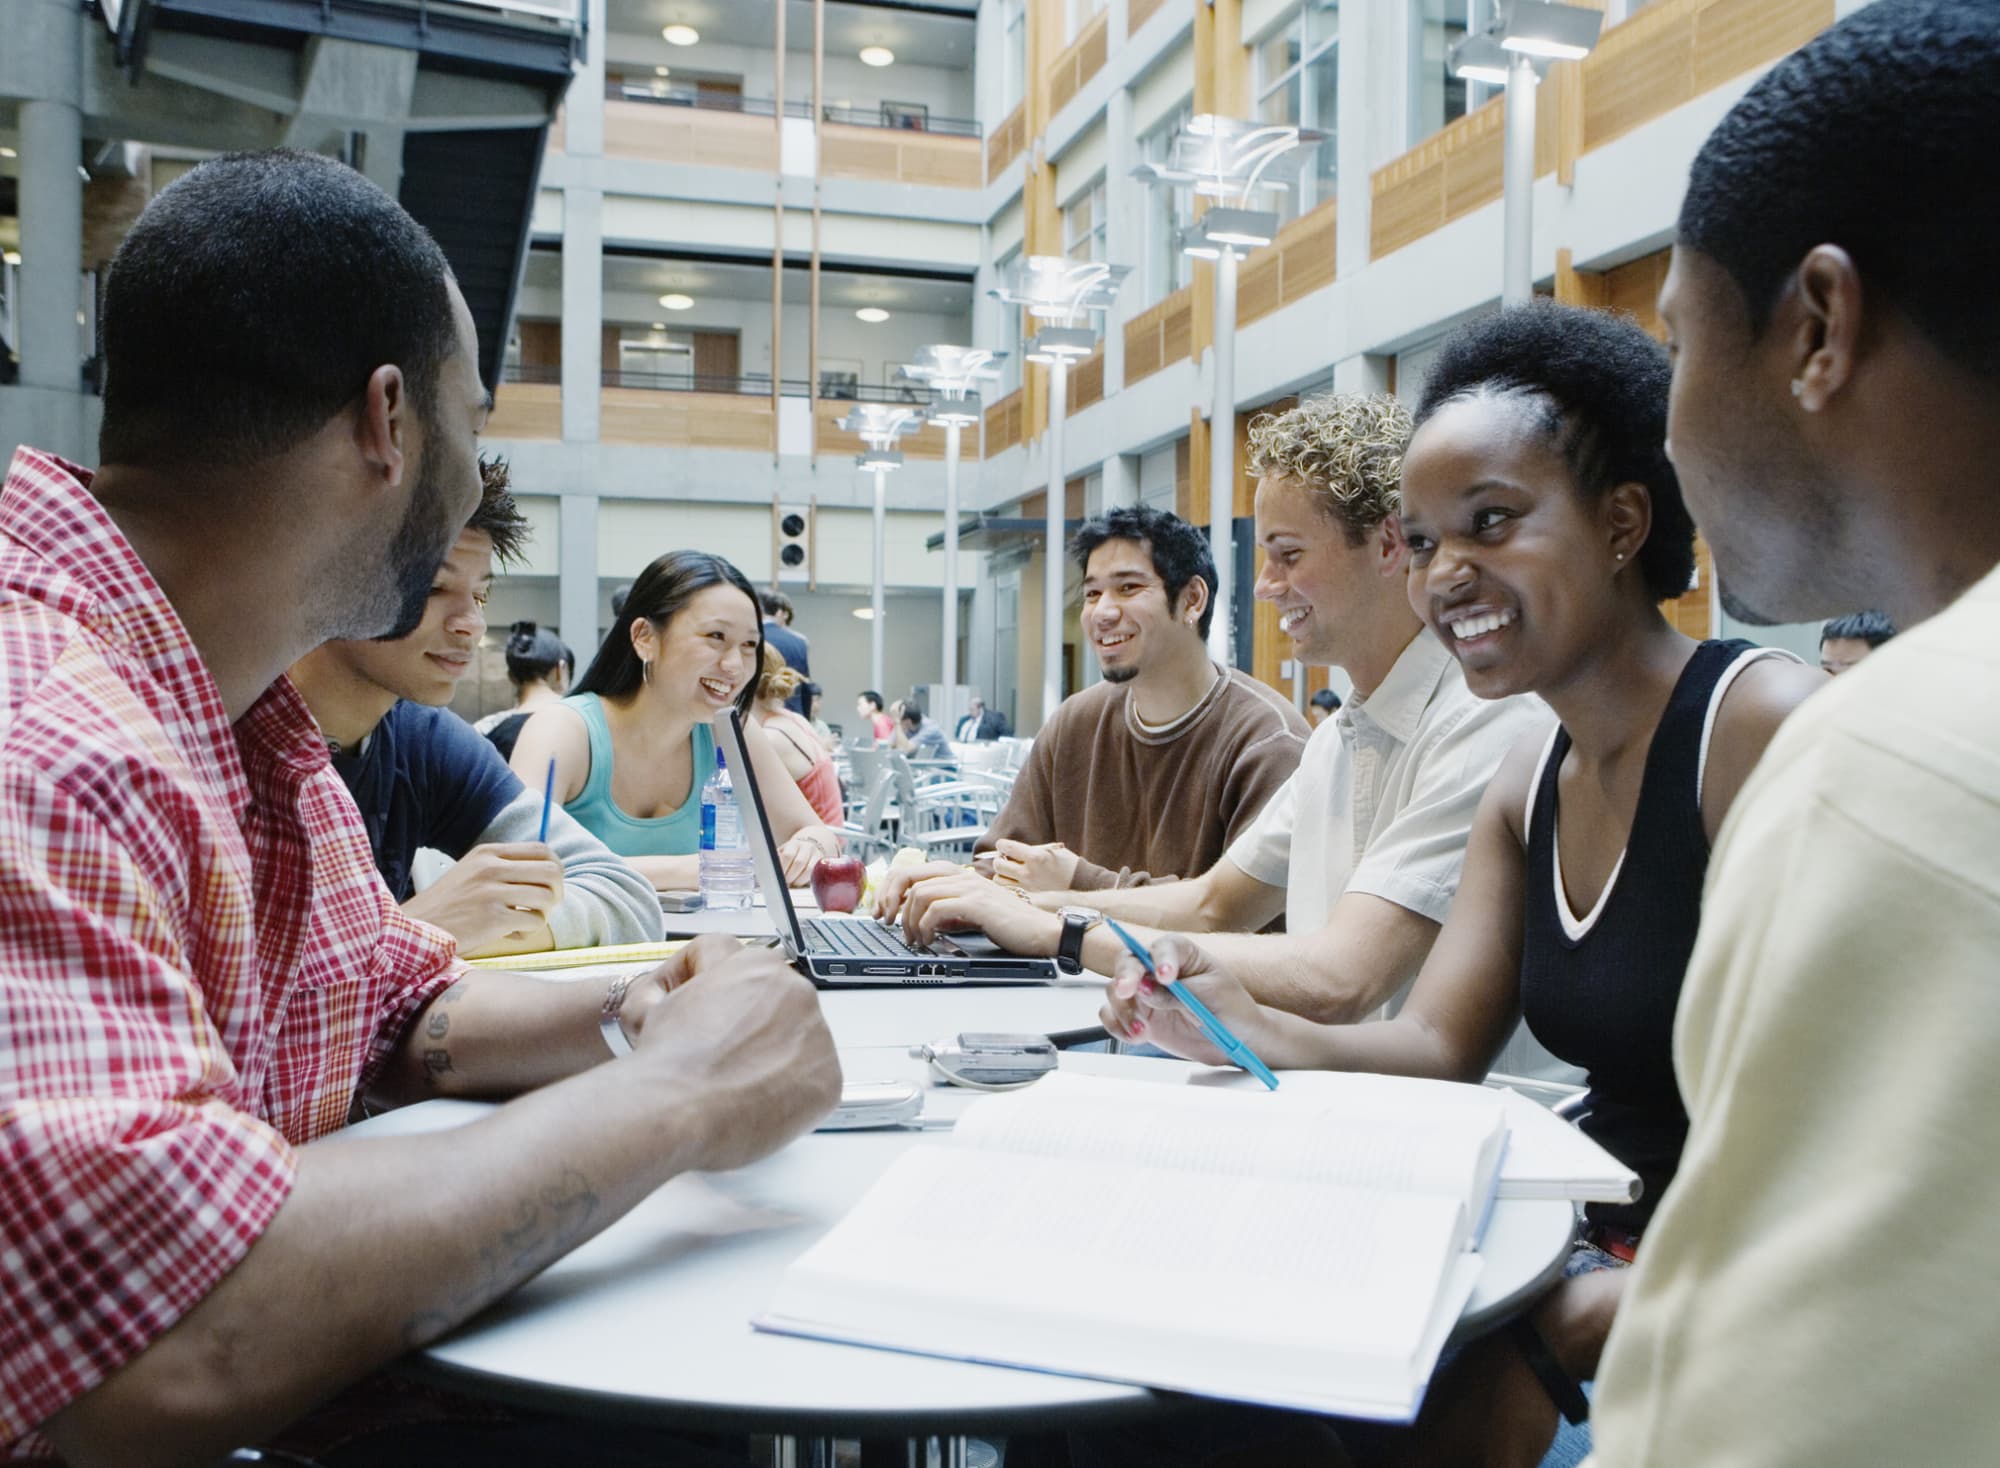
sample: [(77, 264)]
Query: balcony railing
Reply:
[(751, 385), (899, 116)]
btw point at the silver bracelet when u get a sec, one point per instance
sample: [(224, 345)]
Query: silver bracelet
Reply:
[(610, 1024)]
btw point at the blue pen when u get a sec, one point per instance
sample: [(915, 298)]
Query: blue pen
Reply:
[(1218, 1032), (548, 799)]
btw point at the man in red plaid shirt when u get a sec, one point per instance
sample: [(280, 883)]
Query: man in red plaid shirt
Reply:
[(201, 974)]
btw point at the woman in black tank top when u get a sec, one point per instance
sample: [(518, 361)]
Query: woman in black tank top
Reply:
[(1545, 528)]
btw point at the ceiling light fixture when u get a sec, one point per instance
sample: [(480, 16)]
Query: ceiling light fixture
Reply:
[(679, 35), (12, 257), (663, 71), (877, 56), (8, 153), (873, 315), (866, 614), (675, 301), (659, 326)]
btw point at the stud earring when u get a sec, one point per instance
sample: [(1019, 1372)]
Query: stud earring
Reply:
[(1798, 387), (1621, 555)]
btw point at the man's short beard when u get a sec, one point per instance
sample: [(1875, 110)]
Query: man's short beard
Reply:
[(1120, 675), (412, 565)]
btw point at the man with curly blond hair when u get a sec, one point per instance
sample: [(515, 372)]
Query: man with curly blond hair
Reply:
[(1360, 849)]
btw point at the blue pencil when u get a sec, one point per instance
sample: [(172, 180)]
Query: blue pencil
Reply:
[(548, 800), (1218, 1032)]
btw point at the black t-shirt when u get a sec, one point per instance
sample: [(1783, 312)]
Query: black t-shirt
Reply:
[(425, 777), (1605, 1000)]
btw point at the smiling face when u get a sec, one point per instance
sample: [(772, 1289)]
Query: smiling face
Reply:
[(1126, 617), (1316, 578), (426, 666), (707, 651), (1509, 565)]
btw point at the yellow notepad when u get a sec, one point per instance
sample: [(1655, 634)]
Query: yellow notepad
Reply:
[(580, 957)]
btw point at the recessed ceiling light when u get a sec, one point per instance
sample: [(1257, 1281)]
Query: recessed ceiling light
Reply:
[(675, 301), (659, 326), (680, 35), (873, 315), (662, 71), (877, 56)]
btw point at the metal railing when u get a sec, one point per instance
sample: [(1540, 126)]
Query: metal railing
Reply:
[(753, 384), (895, 116)]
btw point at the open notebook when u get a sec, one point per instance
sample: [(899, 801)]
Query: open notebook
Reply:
[(1192, 1238)]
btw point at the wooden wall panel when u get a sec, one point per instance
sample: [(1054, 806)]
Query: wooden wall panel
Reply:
[(687, 419), (1086, 382), (526, 410), (1298, 262), (1259, 286), (1138, 12), (1075, 66), (1006, 142), (689, 135), (1158, 335), (900, 157), (1003, 424), (1731, 36)]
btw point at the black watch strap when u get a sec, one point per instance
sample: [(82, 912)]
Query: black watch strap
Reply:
[(1069, 949), (1562, 1390)]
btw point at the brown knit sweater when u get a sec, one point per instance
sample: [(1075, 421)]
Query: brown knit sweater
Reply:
[(1141, 805)]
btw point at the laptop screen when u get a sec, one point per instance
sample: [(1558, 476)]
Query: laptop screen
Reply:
[(757, 830)]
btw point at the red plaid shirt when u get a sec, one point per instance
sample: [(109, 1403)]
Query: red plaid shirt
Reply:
[(199, 967)]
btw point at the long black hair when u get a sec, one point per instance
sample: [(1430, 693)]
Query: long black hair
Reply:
[(661, 591)]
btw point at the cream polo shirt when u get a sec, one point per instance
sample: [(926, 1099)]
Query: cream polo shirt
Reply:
[(1817, 1287), (1383, 798)]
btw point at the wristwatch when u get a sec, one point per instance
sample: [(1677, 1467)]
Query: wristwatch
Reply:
[(609, 1022), (1076, 922)]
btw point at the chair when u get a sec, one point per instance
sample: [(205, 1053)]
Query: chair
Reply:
[(869, 830), (939, 814)]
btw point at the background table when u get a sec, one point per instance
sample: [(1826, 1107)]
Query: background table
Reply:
[(650, 1320)]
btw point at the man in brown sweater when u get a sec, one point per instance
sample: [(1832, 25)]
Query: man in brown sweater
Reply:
[(1150, 774)]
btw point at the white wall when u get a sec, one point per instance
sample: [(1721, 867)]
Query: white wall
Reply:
[(946, 92)]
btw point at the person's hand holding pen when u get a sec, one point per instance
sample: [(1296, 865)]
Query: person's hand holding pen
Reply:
[(1138, 1006)]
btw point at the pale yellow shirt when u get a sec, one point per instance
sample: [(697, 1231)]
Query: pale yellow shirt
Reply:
[(1821, 1285)]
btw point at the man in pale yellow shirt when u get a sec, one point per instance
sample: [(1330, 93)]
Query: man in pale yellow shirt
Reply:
[(1817, 1287)]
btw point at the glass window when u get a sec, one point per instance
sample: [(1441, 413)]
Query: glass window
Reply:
[(1439, 97), (1298, 81), (1010, 331), (1015, 66), (1080, 12), (1168, 211), (1083, 224)]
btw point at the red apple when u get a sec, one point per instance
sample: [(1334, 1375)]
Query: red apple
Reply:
[(837, 881)]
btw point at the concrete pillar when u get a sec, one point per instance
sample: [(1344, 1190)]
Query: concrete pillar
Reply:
[(582, 313), (576, 573), (1121, 481), (583, 104), (1363, 372), (1124, 225), (49, 35)]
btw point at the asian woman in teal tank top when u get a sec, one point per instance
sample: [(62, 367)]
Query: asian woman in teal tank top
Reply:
[(633, 745)]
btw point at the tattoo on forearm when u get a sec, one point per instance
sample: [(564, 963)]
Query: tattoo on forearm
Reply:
[(436, 1063), (546, 1225), (453, 994), (440, 1022)]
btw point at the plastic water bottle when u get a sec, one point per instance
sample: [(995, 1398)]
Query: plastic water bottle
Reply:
[(728, 876)]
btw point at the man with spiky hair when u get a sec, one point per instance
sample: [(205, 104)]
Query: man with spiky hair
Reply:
[(1816, 1286), (423, 777)]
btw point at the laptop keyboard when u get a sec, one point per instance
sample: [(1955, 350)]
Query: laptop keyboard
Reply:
[(857, 938)]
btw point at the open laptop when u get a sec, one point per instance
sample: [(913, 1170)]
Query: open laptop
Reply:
[(841, 953)]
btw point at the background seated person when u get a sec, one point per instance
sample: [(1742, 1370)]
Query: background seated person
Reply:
[(918, 735), (540, 665), (981, 723), (798, 748), (1545, 526), (876, 725), (422, 776), (633, 746), (1845, 641), (1150, 774), (1361, 849), (1324, 705)]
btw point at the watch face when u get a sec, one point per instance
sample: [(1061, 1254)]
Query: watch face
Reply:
[(1088, 915)]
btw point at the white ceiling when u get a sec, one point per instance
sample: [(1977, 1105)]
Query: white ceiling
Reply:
[(941, 39)]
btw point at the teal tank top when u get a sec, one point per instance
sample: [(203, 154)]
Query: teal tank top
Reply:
[(676, 835)]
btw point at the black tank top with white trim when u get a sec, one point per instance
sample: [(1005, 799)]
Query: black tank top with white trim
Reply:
[(1600, 992)]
